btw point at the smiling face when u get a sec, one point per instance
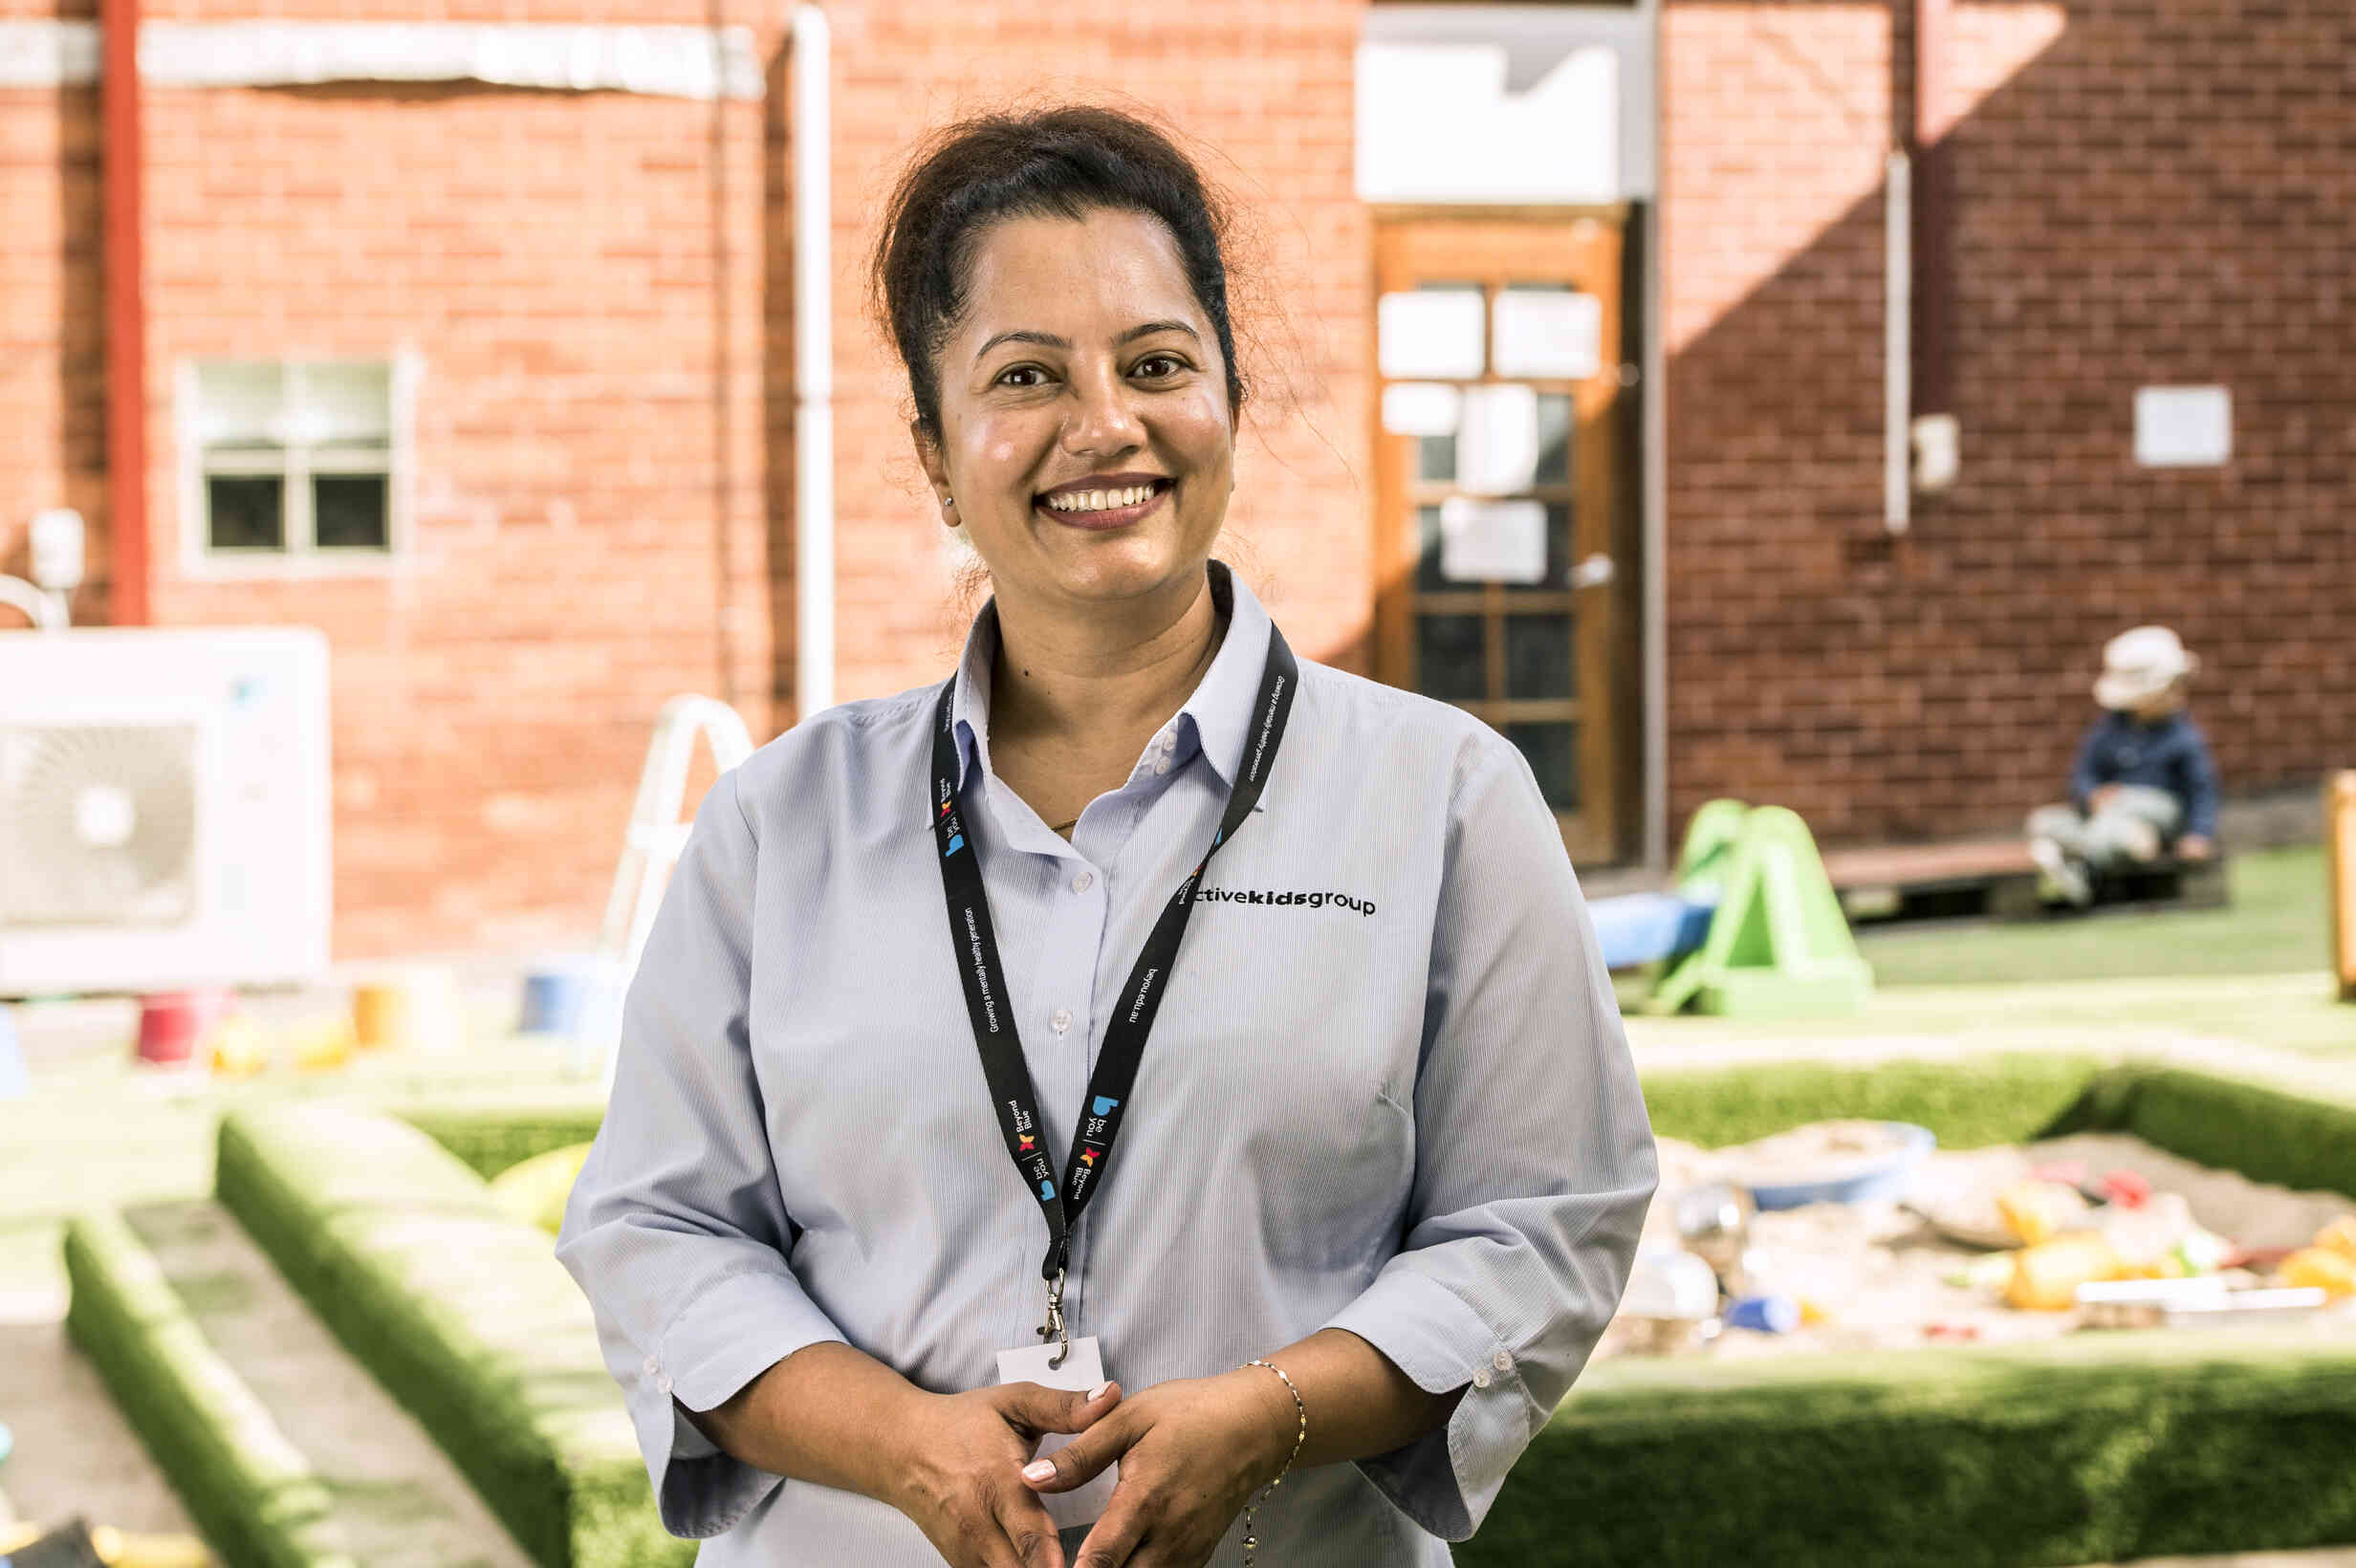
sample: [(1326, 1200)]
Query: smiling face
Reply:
[(1086, 436)]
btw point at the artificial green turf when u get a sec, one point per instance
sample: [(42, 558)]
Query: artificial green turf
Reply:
[(243, 1482), (2269, 1135), (492, 1142), (2276, 923), (1968, 1104), (2091, 1448), (463, 1315)]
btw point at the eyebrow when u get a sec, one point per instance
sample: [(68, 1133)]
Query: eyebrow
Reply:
[(1047, 339)]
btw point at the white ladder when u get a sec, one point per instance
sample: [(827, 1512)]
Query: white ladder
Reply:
[(649, 850)]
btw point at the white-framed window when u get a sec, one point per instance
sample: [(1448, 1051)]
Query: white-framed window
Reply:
[(296, 465)]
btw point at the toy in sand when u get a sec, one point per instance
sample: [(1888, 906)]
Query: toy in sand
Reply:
[(77, 1544), (1991, 1245)]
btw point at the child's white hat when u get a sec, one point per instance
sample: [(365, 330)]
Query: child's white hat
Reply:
[(2139, 665)]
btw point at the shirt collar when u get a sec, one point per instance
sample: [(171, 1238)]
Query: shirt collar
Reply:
[(1219, 713)]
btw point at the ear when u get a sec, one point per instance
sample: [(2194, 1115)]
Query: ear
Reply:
[(936, 471)]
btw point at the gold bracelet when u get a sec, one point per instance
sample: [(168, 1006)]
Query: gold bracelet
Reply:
[(1250, 1541)]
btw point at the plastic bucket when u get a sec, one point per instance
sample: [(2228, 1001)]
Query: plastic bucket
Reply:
[(419, 1010), (556, 996), (172, 1023)]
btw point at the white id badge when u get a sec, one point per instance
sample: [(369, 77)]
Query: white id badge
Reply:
[(1081, 1370)]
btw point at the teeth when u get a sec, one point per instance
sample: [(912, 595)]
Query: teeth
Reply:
[(1101, 500)]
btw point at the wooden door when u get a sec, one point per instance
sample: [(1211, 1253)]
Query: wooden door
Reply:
[(1498, 354)]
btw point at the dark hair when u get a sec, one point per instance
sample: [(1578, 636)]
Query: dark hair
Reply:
[(1063, 161)]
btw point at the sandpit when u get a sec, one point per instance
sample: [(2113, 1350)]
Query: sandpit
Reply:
[(1881, 1275)]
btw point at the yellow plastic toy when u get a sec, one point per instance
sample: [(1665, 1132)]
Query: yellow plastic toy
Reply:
[(237, 1047), (2318, 1268), (2037, 1212), (2046, 1278), (536, 1191), (323, 1042), (2338, 1236), (121, 1549)]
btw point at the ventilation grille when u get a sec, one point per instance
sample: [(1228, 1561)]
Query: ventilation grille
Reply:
[(98, 825)]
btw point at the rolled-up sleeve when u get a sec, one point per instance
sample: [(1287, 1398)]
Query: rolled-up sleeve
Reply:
[(675, 1229), (1534, 1159)]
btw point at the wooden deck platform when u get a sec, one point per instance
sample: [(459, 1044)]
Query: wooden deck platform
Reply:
[(1997, 879)]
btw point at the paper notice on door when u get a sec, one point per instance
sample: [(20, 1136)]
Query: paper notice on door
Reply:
[(1421, 408), (1429, 331), (1497, 447), (1547, 331), (1493, 541)]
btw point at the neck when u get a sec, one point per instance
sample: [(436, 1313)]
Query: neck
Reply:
[(1100, 675)]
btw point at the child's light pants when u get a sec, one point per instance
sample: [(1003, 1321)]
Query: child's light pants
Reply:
[(2130, 821)]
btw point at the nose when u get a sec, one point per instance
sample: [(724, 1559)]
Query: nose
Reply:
[(1102, 418)]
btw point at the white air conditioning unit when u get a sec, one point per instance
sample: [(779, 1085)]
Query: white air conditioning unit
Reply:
[(164, 809)]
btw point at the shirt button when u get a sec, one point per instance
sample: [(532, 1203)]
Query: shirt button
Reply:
[(1084, 882), (1480, 1377), (1163, 766), (664, 1384), (1503, 1361), (652, 1366), (1062, 1019)]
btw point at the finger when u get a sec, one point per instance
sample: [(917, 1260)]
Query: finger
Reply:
[(1082, 1460), (1030, 1531), (1044, 1409), (1113, 1540)]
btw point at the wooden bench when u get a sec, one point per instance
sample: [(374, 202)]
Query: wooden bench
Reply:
[(1995, 879)]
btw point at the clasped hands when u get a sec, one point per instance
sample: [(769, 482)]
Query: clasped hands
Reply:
[(1192, 1451)]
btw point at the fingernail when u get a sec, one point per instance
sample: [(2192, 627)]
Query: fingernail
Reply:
[(1100, 1390), (1040, 1469)]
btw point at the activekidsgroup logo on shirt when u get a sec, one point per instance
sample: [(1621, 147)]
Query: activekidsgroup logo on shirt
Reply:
[(1284, 897)]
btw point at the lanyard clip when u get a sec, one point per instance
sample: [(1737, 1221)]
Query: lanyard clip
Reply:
[(1055, 1327)]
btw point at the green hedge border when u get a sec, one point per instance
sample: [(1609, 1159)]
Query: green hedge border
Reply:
[(1969, 1103), (247, 1486), (492, 1142), (2125, 1446), (463, 1314)]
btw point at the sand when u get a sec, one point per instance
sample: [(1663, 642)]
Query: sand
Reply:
[(1878, 1270)]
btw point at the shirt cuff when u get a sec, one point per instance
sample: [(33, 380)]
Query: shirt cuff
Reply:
[(1447, 1479), (687, 1439), (719, 1343)]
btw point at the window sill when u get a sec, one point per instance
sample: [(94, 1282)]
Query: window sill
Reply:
[(266, 567)]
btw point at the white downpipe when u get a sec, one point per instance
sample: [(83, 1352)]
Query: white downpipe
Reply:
[(814, 366), (1654, 514), (45, 610), (1897, 345)]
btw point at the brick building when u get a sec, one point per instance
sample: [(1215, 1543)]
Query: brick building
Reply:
[(469, 338)]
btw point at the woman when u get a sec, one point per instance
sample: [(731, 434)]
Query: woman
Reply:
[(1358, 1111)]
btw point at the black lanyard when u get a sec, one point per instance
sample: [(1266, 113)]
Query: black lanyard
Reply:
[(1124, 1037)]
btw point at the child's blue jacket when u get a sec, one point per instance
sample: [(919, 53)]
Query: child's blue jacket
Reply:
[(2172, 755)]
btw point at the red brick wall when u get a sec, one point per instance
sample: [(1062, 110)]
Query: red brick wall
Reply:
[(53, 433), (603, 465), (2150, 194), (589, 534)]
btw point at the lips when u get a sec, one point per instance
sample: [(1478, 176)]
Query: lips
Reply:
[(1111, 518)]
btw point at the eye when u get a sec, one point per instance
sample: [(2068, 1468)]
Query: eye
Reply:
[(1175, 363), (1019, 370)]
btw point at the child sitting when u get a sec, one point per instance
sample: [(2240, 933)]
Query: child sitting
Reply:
[(2144, 776)]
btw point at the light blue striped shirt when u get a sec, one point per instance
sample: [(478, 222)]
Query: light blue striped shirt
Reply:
[(1388, 1091)]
